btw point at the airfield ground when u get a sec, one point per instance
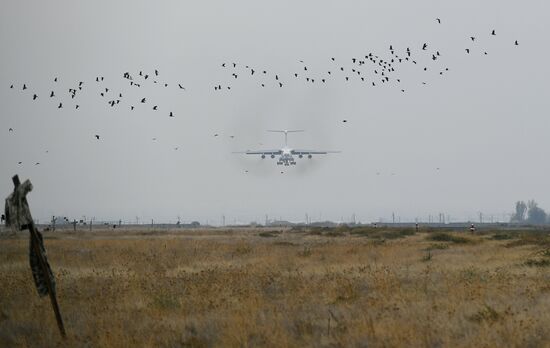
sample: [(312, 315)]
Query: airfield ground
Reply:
[(281, 288)]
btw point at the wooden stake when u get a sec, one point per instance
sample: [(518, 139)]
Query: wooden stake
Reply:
[(34, 242)]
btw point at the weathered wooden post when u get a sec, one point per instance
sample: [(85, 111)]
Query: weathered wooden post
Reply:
[(18, 215)]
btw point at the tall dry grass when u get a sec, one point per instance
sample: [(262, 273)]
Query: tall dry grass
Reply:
[(279, 289)]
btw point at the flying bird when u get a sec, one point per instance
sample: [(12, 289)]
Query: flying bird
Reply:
[(155, 107), (143, 100), (25, 86), (97, 137), (516, 43), (493, 32), (171, 114), (181, 87), (473, 38), (467, 50), (34, 97), (60, 105), (438, 20)]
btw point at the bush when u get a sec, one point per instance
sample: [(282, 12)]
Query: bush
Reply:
[(267, 234), (502, 236), (537, 263), (438, 246), (446, 237)]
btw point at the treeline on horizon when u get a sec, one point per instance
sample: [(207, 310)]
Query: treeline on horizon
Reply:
[(529, 213)]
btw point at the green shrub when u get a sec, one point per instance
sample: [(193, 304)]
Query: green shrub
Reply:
[(447, 237), (537, 263), (267, 234)]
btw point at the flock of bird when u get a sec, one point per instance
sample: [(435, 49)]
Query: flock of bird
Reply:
[(63, 97), (373, 70), (109, 96)]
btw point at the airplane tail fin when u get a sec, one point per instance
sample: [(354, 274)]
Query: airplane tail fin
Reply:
[(286, 131)]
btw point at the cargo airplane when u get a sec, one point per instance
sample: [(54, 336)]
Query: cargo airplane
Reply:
[(286, 154)]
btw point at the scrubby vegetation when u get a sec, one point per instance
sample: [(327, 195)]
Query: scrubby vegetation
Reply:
[(358, 287), (450, 237)]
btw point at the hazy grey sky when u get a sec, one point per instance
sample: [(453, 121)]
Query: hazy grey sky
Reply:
[(484, 123)]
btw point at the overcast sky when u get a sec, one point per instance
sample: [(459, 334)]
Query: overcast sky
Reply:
[(483, 123)]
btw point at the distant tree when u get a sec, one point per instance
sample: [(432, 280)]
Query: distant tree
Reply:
[(535, 215), (521, 210)]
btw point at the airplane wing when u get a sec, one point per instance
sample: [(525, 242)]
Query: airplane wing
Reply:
[(262, 152), (312, 152)]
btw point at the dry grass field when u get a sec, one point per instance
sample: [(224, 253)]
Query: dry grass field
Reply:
[(289, 288)]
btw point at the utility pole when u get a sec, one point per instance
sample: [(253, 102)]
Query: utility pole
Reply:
[(223, 220), (393, 217)]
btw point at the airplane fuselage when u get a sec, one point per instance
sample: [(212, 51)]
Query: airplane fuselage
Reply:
[(286, 157)]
